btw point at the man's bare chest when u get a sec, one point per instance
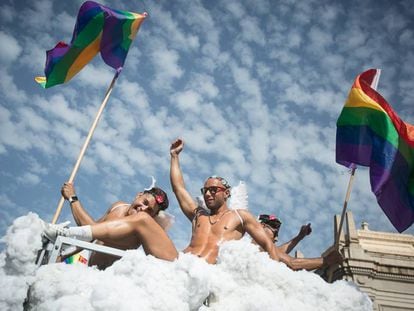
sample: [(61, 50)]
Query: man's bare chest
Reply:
[(216, 226)]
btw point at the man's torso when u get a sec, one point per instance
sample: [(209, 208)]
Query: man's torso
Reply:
[(210, 231)]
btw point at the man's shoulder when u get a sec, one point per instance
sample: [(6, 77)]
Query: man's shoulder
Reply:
[(201, 211), (119, 205), (243, 213)]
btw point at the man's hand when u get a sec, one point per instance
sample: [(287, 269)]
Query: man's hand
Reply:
[(305, 230), (67, 190), (176, 147), (332, 258)]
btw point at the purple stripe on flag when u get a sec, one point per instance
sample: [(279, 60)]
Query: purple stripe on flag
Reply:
[(396, 206)]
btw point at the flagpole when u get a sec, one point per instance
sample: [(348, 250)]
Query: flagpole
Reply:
[(86, 143), (348, 194), (374, 85)]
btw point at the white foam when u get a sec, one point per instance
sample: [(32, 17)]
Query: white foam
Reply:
[(243, 279)]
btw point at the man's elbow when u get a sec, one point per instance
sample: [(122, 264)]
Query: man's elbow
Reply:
[(290, 262)]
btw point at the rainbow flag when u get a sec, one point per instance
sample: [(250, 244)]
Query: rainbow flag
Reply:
[(81, 257), (370, 133), (98, 29)]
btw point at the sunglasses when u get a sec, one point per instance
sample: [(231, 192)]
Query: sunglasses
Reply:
[(274, 231), (271, 221), (213, 190)]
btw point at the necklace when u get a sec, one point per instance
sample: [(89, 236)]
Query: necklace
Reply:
[(218, 219)]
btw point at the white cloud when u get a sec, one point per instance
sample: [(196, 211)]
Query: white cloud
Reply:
[(7, 13), (244, 53), (9, 89), (300, 13), (329, 15), (394, 21), (96, 76), (319, 39), (168, 27), (259, 145), (133, 93), (187, 100), (64, 24), (10, 49), (407, 37), (246, 83), (352, 38), (285, 57), (33, 120), (114, 158), (294, 39), (12, 133), (39, 12), (286, 147), (205, 84), (251, 31), (58, 107), (235, 8), (68, 137), (203, 22), (28, 179), (166, 65), (297, 94)]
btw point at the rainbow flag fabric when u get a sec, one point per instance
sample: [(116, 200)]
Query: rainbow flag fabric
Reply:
[(98, 29), (370, 133), (81, 257)]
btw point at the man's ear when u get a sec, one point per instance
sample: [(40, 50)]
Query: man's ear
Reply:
[(158, 210)]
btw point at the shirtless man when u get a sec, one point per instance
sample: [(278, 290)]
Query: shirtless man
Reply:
[(271, 224), (222, 224), (124, 226)]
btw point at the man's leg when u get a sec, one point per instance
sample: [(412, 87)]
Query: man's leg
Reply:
[(150, 235)]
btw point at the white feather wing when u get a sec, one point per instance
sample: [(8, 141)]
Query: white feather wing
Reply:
[(239, 197)]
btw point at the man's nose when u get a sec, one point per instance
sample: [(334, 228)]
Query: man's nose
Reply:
[(142, 207)]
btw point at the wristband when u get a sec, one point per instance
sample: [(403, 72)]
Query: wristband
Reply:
[(72, 199)]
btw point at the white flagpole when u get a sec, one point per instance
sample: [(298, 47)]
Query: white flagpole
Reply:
[(86, 143), (374, 85)]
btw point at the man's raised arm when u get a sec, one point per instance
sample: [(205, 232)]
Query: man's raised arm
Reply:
[(288, 246), (186, 202)]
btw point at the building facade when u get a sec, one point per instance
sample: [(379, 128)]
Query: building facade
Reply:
[(380, 263)]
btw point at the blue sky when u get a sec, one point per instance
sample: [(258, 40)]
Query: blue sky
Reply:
[(253, 87)]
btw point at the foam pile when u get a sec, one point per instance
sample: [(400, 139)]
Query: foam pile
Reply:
[(243, 279)]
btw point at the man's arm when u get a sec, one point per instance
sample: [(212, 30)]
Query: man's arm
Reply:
[(80, 215), (333, 257), (186, 202), (288, 246), (257, 232)]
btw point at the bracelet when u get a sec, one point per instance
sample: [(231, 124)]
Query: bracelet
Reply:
[(72, 199)]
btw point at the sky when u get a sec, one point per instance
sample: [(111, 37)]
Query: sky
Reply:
[(254, 88)]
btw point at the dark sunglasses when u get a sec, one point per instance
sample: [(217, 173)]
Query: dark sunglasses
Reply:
[(274, 231), (271, 221), (213, 190)]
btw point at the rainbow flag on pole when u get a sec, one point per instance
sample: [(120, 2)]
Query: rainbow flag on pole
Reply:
[(370, 133), (98, 29)]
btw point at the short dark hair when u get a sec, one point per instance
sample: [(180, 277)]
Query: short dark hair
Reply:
[(160, 197)]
